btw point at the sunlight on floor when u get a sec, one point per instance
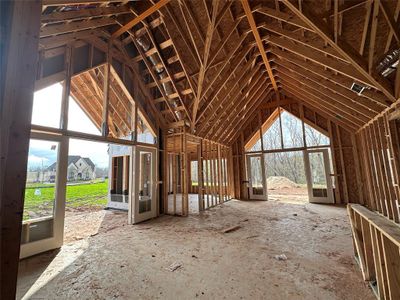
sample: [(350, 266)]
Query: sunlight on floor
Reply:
[(59, 263)]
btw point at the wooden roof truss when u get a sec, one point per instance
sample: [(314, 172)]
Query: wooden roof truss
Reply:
[(209, 65)]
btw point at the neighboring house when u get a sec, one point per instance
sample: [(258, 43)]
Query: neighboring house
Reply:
[(79, 168)]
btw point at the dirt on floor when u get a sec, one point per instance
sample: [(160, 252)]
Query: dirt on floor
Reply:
[(84, 223), (239, 250)]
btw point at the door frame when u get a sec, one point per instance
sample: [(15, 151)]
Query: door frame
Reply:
[(133, 213), (327, 166), (55, 241), (264, 196)]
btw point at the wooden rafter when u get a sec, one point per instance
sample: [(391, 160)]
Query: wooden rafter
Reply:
[(259, 42), (227, 101), (140, 18), (337, 78), (323, 82), (394, 30), (253, 92), (356, 61), (246, 116), (207, 46), (223, 83), (231, 56), (170, 76)]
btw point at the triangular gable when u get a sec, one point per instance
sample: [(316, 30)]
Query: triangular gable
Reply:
[(288, 129), (264, 127)]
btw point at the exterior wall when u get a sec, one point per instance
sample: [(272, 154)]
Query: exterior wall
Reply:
[(346, 168), (379, 151)]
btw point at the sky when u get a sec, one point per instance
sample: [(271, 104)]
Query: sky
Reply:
[(46, 111)]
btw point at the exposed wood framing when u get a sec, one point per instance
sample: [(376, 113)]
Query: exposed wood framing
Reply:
[(19, 55)]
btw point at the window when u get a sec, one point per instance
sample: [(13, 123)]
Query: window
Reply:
[(144, 133), (314, 137), (292, 131), (46, 109), (82, 121)]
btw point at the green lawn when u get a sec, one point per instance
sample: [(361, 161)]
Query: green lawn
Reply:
[(78, 195)]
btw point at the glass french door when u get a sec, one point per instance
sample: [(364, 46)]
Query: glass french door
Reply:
[(256, 177), (319, 182), (144, 198), (44, 205)]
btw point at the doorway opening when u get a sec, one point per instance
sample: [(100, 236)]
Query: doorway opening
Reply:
[(286, 178), (87, 186)]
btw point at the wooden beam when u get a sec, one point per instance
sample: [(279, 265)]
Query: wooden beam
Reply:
[(242, 120), (335, 78), (207, 47), (224, 82), (225, 105), (20, 25), (396, 17), (313, 43), (360, 113), (74, 2), (365, 29), (260, 44), (372, 37), (170, 75), (140, 18), (74, 15), (227, 62), (358, 103), (394, 29), (240, 109), (319, 58), (353, 58), (106, 92), (281, 16), (323, 103), (315, 103), (63, 28)]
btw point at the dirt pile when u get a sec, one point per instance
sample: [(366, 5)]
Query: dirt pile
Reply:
[(280, 182)]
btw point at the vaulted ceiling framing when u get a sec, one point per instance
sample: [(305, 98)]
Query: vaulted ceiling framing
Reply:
[(210, 65)]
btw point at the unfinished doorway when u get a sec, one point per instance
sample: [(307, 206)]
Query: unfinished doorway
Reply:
[(286, 178), (256, 176), (289, 159), (86, 189)]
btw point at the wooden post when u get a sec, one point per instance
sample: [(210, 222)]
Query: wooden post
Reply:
[(219, 165), (106, 92), (66, 87), (20, 25), (335, 171), (174, 181), (214, 174), (207, 159), (200, 183)]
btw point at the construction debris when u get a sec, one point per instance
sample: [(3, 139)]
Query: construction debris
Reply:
[(282, 257), (173, 267), (231, 229)]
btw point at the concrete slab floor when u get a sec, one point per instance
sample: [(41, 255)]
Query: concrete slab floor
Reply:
[(131, 262)]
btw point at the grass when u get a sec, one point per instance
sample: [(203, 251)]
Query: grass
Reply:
[(78, 195)]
